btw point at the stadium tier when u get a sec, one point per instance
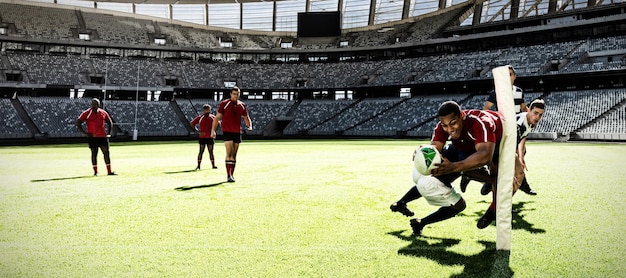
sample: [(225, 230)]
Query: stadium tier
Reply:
[(383, 80), (598, 112)]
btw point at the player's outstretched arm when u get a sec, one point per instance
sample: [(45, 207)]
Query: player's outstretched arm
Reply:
[(482, 156)]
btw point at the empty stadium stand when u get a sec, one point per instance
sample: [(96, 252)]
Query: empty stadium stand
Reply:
[(579, 70)]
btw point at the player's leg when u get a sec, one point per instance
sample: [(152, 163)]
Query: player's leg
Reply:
[(229, 145), (93, 148), (441, 214), (210, 146), (232, 155), (107, 156), (490, 214), (200, 152), (400, 205), (94, 160), (525, 187)]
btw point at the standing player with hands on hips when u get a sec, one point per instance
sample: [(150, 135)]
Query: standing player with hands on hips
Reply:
[(230, 112), (205, 122), (97, 135)]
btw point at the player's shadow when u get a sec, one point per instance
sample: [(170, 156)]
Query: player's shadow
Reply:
[(487, 263), (185, 188), (61, 179), (180, 172), (517, 220), (519, 223)]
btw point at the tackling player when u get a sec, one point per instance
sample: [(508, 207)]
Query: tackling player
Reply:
[(475, 136)]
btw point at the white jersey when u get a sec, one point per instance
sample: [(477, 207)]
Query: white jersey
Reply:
[(434, 191), (518, 98), (523, 128)]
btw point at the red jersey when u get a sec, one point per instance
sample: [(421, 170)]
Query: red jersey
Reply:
[(95, 121), (231, 115), (479, 126), (205, 122)]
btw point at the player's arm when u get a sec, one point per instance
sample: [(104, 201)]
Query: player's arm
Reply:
[(488, 105), (193, 126), (109, 124), (248, 122), (216, 123), (521, 150), (523, 107), (491, 101), (438, 145), (482, 156), (79, 125)]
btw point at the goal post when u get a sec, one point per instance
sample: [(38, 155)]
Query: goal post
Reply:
[(506, 164)]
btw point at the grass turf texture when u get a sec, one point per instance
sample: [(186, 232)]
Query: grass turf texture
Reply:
[(298, 209)]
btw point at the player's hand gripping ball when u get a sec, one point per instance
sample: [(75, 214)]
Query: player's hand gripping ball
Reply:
[(426, 158)]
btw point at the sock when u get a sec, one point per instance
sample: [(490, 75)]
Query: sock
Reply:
[(492, 206), (411, 195), (212, 163), (199, 162), (229, 168), (441, 214), (108, 168), (232, 171), (95, 168)]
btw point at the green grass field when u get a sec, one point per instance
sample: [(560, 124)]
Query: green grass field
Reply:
[(311, 208)]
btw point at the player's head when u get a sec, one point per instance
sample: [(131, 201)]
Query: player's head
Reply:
[(535, 111), (206, 109), (95, 103), (234, 93), (512, 74), (451, 118)]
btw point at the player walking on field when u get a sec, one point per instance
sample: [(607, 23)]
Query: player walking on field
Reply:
[(230, 112), (205, 122), (97, 135)]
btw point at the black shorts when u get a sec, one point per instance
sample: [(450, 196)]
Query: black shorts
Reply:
[(97, 142), (206, 141), (232, 136)]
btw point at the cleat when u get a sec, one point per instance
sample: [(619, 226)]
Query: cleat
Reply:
[(401, 208), (464, 182), (95, 174), (485, 189), (526, 189), (198, 168), (214, 167), (417, 226), (515, 211), (231, 179), (486, 219), (112, 174)]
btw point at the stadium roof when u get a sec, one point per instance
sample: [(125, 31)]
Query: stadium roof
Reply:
[(281, 15), (181, 2)]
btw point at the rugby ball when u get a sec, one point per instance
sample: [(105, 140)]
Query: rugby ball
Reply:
[(426, 158)]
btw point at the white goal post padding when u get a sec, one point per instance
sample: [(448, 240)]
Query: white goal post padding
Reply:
[(506, 164)]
